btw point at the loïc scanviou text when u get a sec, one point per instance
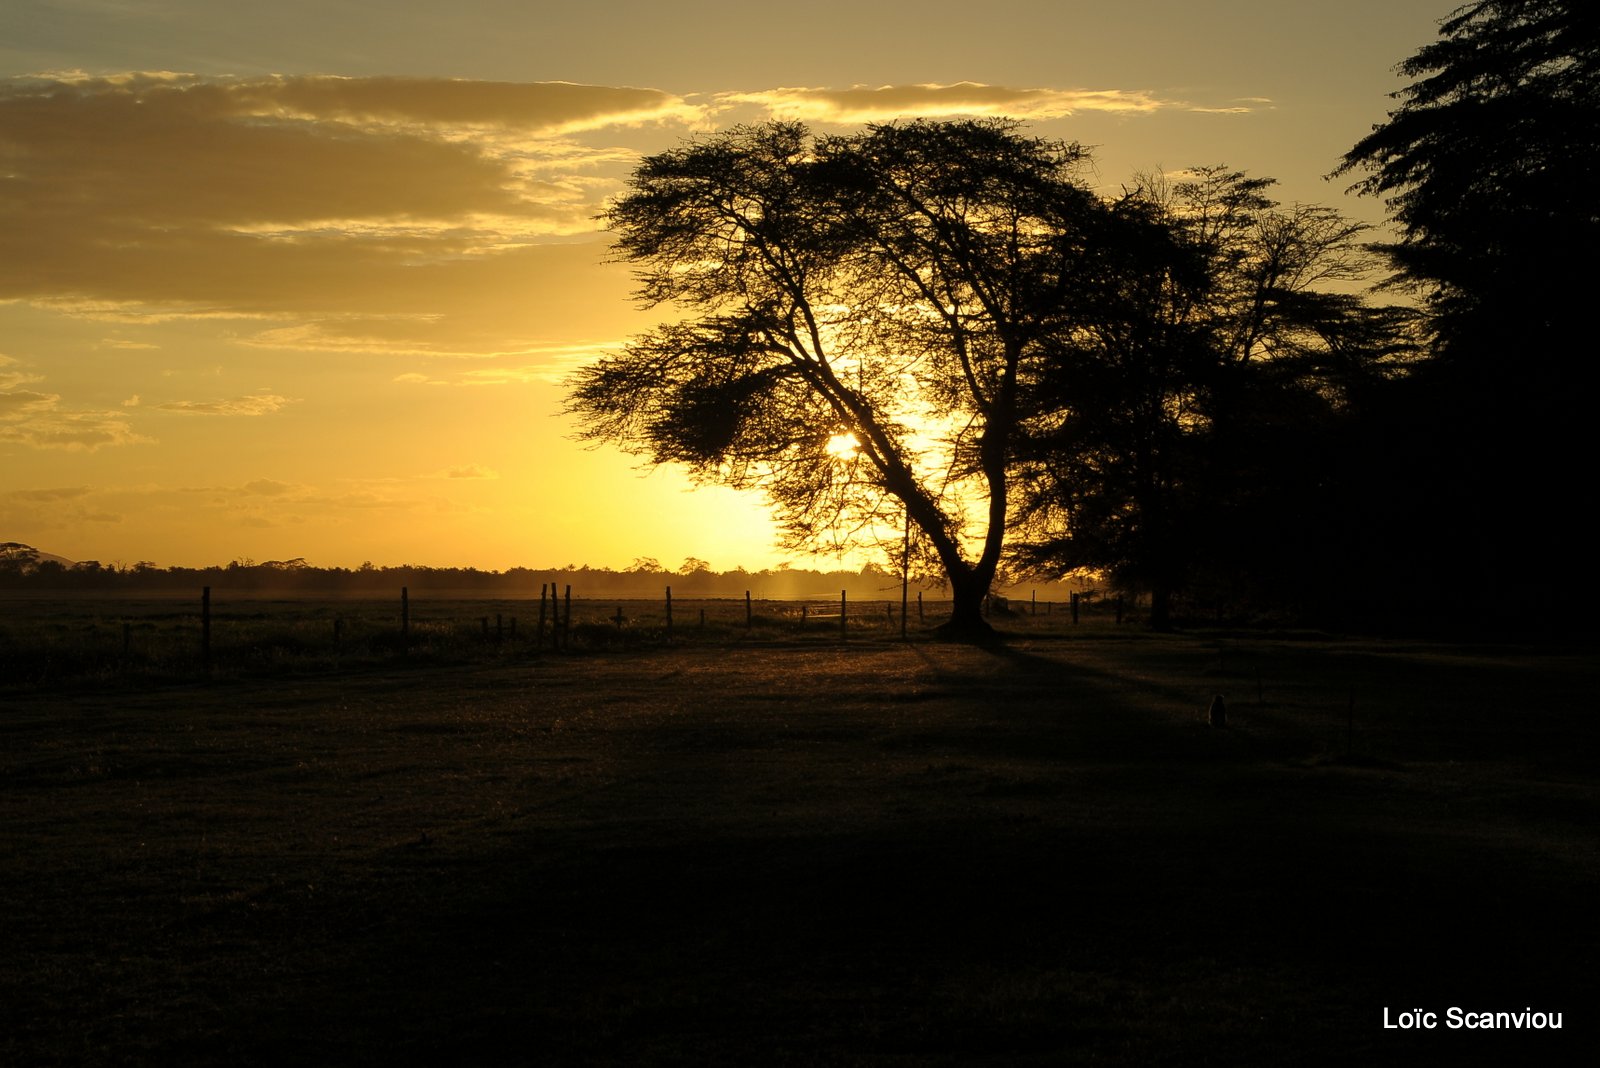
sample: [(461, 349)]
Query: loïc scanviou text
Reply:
[(1456, 1018)]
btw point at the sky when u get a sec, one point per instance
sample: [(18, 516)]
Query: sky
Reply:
[(304, 279)]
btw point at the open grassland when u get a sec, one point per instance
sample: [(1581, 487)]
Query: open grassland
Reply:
[(67, 640), (796, 850)]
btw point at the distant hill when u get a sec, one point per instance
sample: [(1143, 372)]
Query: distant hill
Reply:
[(15, 553)]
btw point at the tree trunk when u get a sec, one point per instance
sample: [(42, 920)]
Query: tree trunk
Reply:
[(1160, 606), (966, 622)]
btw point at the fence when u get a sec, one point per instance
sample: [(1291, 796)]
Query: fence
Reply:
[(220, 635)]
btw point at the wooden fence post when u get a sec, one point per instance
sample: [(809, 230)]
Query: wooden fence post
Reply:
[(748, 617), (538, 635), (205, 630), (919, 607), (405, 621), (844, 630), (669, 611), (1074, 608)]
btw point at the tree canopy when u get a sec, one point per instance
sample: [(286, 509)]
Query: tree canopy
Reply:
[(1162, 444), (1490, 163), (864, 317)]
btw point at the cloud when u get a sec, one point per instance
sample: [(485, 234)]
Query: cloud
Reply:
[(25, 402), (545, 107), (10, 378), (468, 471), (145, 198), (254, 404), (267, 487), (45, 427), (394, 215), (43, 496), (885, 103)]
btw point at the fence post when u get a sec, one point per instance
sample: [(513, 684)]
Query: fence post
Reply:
[(405, 621), (538, 635), (1074, 608), (748, 618), (669, 611), (919, 607), (1033, 602), (566, 621), (844, 630), (205, 630)]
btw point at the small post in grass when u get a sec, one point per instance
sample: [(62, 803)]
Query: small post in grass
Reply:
[(538, 635), (669, 611), (748, 618), (1074, 609), (405, 621), (205, 630), (905, 578), (844, 629), (919, 607)]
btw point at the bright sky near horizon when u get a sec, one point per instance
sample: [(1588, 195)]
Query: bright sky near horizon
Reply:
[(302, 279)]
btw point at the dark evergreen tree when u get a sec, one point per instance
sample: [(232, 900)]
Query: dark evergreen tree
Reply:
[(1490, 163)]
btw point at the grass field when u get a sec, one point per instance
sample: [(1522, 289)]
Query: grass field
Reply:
[(773, 847)]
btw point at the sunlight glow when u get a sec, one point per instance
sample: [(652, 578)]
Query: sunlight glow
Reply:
[(843, 446)]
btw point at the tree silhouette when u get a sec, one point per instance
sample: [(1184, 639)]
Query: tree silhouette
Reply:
[(1228, 326), (866, 314), (1490, 163)]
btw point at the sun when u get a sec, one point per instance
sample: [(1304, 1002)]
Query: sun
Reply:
[(843, 446)]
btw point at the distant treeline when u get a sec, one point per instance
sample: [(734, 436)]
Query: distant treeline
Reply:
[(21, 568)]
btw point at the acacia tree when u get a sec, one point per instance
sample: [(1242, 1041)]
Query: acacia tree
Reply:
[(862, 315)]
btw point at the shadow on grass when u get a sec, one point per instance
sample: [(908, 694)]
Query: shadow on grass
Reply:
[(788, 855)]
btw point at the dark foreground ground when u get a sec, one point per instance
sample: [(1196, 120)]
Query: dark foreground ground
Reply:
[(802, 853)]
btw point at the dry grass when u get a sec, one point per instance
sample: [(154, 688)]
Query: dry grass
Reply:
[(791, 851)]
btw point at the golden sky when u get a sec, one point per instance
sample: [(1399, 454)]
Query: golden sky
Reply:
[(302, 279)]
